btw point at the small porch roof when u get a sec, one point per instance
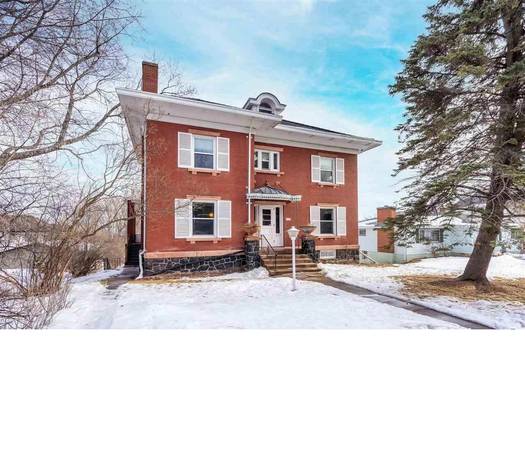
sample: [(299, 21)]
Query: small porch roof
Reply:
[(268, 192)]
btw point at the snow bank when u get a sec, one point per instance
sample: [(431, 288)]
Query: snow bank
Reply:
[(499, 314), (249, 300)]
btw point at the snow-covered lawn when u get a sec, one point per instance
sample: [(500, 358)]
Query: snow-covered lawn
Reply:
[(249, 300), (498, 314)]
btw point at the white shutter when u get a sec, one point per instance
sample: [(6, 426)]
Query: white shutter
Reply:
[(185, 150), (315, 219), (182, 218), (224, 221), (223, 154), (341, 221), (340, 171), (316, 169)]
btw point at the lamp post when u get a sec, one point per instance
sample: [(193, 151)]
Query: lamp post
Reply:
[(293, 233)]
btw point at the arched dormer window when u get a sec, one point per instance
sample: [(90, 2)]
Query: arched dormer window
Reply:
[(266, 107), (266, 103)]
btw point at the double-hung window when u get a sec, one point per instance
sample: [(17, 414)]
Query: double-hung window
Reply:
[(327, 220), (267, 160), (327, 170), (203, 218), (204, 152)]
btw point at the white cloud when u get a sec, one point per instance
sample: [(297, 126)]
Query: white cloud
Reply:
[(233, 52)]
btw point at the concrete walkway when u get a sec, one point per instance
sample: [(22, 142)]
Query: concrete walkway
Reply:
[(398, 303), (128, 273)]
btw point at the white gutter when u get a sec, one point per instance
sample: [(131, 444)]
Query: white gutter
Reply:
[(249, 175), (141, 268)]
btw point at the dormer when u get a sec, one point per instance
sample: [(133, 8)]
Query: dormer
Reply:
[(265, 103)]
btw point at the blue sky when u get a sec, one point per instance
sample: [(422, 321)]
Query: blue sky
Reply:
[(330, 61)]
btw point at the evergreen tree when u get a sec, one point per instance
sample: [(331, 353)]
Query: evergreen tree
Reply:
[(464, 130)]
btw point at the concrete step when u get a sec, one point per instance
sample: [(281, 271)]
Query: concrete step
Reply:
[(286, 271), (298, 268), (287, 257)]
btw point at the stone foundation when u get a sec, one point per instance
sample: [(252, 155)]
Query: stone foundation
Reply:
[(251, 251), (347, 255), (234, 262), (249, 259), (308, 248)]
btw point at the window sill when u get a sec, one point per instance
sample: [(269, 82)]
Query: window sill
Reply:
[(213, 239), (327, 236), (323, 184), (269, 172), (212, 171)]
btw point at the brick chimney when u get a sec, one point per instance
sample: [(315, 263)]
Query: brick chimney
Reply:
[(150, 77), (385, 242)]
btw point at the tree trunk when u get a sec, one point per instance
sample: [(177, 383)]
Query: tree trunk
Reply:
[(478, 263)]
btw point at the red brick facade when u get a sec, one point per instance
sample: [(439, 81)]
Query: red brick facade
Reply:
[(165, 182)]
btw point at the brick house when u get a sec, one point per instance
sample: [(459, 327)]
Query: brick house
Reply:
[(209, 169)]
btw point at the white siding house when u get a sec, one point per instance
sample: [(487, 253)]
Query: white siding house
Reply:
[(434, 239)]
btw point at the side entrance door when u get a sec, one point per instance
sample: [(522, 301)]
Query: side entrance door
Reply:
[(270, 220)]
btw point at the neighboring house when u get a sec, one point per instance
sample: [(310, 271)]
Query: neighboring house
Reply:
[(438, 237), (209, 169)]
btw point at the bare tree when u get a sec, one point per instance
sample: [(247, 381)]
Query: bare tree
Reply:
[(59, 61)]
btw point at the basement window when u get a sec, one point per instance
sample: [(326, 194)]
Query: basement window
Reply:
[(327, 254)]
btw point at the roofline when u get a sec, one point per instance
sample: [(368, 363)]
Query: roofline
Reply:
[(329, 134), (202, 104), (271, 121)]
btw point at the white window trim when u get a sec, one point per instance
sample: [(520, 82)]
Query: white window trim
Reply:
[(334, 220), (214, 141), (215, 219), (271, 153)]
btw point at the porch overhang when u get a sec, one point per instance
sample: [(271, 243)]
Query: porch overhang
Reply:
[(268, 192), (276, 197)]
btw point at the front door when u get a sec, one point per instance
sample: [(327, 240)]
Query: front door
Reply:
[(270, 220)]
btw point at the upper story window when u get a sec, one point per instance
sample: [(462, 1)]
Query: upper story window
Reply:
[(267, 160), (204, 152), (207, 153), (327, 170)]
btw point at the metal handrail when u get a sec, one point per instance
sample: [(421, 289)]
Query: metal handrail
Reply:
[(367, 257), (268, 247)]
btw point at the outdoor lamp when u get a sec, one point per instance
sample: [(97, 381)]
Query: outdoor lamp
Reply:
[(293, 233)]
